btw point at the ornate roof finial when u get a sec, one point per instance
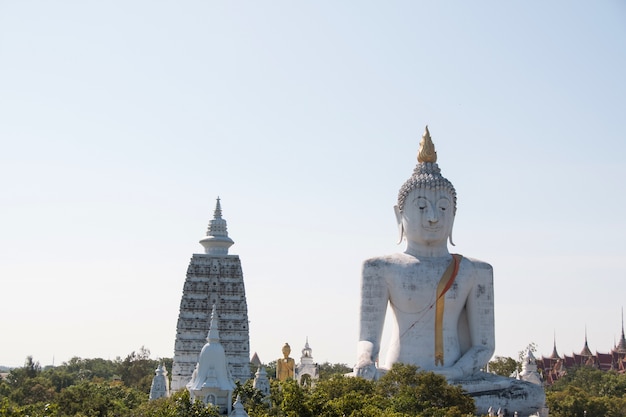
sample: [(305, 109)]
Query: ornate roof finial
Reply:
[(427, 151), (621, 346), (217, 241), (217, 214), (307, 349), (586, 351), (555, 354)]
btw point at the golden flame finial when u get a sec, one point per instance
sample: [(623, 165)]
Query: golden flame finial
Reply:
[(427, 149)]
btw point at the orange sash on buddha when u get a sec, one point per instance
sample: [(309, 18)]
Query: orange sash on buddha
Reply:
[(446, 281)]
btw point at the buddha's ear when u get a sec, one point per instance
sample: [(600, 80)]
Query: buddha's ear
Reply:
[(398, 212), (451, 228)]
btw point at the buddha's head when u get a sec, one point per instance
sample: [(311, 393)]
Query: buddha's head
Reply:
[(286, 350), (426, 201)]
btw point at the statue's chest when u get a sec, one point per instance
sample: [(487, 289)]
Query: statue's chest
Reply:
[(416, 288)]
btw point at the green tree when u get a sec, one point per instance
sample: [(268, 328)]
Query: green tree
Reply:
[(270, 369), (401, 392), (588, 389), (82, 387), (178, 404), (60, 377), (252, 399), (340, 395), (34, 390), (294, 399), (328, 370), (17, 376), (416, 392), (504, 366), (99, 399), (137, 370), (78, 369)]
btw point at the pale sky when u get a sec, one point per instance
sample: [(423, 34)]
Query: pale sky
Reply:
[(121, 122)]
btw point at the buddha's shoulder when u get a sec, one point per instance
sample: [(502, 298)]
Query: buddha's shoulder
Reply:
[(402, 260), (481, 270), (476, 264), (395, 259)]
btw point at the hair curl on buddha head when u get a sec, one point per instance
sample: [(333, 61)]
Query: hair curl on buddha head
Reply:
[(426, 174)]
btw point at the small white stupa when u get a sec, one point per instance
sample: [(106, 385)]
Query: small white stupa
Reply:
[(261, 382), (160, 383), (530, 374), (238, 410), (529, 369), (211, 381)]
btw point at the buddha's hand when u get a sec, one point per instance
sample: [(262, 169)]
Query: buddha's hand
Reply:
[(366, 371), (451, 374)]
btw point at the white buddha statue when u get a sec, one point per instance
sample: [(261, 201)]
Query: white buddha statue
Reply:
[(442, 303)]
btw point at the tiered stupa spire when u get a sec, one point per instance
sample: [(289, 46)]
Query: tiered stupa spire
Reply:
[(621, 346), (214, 331), (217, 241)]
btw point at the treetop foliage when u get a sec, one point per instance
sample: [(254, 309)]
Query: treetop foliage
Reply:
[(590, 390), (99, 387)]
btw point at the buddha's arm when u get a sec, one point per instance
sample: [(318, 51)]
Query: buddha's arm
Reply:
[(481, 323), (374, 298)]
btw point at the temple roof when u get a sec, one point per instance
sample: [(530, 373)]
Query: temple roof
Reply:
[(255, 360)]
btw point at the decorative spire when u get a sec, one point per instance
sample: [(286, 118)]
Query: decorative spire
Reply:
[(621, 346), (217, 214), (427, 151), (238, 410), (217, 241), (214, 334), (555, 354), (586, 351), (307, 352)]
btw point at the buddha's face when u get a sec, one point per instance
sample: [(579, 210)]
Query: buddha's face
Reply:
[(427, 217), (286, 350)]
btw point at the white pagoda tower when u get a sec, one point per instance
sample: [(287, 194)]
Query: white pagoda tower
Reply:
[(213, 278)]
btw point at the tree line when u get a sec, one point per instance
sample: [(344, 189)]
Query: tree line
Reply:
[(120, 387)]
